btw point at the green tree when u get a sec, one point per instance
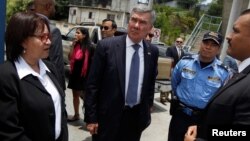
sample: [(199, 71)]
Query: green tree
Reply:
[(173, 23), (187, 4), (14, 6), (215, 8), (62, 9)]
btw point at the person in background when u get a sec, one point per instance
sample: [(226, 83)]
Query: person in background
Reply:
[(80, 60), (149, 36), (47, 8), (32, 104), (229, 108), (108, 28), (176, 52), (194, 81), (120, 88)]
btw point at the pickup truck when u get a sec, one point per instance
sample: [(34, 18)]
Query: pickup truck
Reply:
[(94, 34)]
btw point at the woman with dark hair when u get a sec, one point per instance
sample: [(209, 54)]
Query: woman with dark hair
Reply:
[(32, 104), (80, 59)]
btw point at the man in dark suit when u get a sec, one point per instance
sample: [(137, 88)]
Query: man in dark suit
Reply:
[(108, 28), (111, 113), (47, 9), (176, 52), (229, 107)]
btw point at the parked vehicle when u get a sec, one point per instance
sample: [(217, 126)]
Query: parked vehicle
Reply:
[(94, 34), (162, 48)]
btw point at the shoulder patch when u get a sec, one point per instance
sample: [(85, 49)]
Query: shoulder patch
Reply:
[(187, 57), (224, 67)]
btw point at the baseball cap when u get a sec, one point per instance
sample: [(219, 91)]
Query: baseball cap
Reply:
[(215, 36)]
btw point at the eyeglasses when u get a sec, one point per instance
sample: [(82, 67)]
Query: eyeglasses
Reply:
[(178, 41), (43, 37), (104, 27), (150, 35)]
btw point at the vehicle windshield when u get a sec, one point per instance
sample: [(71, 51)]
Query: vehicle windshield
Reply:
[(71, 34)]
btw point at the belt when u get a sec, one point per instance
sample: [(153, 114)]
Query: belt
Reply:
[(190, 110)]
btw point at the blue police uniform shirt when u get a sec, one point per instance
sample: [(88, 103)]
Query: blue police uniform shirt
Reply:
[(193, 85)]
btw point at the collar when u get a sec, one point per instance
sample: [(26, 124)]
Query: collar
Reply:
[(129, 42), (23, 69), (244, 64), (214, 63)]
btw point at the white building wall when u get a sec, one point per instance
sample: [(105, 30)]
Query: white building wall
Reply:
[(119, 8)]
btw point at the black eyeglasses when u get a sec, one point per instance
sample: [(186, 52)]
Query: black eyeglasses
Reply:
[(104, 27), (151, 35), (178, 41)]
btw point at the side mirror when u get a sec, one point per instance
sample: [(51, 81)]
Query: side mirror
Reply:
[(64, 37)]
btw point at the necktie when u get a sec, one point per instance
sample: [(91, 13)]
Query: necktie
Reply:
[(131, 98)]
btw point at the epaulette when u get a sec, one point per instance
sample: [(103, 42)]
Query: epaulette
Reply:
[(187, 57), (224, 67)]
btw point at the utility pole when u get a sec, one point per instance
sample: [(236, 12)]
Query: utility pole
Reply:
[(235, 12), (2, 29)]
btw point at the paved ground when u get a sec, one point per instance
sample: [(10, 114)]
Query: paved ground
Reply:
[(157, 131)]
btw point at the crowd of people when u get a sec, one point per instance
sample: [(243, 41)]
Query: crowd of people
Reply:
[(116, 80)]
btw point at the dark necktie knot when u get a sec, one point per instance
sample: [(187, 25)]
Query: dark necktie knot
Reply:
[(136, 47)]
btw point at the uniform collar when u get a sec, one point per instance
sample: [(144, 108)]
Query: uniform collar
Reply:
[(213, 64)]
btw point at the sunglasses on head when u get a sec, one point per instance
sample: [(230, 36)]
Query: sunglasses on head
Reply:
[(151, 35), (178, 41), (104, 27)]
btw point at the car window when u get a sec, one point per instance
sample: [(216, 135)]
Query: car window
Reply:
[(94, 36), (71, 34)]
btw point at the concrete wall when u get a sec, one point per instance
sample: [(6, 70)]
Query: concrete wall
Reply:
[(226, 12)]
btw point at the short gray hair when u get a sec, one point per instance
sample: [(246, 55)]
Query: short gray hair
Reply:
[(140, 9)]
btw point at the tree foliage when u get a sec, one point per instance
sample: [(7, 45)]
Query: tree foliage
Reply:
[(187, 4), (215, 8), (62, 9), (161, 1), (14, 6), (173, 24)]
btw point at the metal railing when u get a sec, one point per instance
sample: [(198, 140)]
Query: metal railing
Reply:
[(206, 23)]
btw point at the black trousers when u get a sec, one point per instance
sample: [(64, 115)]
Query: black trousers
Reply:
[(179, 124), (129, 129)]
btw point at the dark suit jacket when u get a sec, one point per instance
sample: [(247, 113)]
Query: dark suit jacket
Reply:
[(105, 97), (172, 52), (230, 105), (26, 108), (56, 54)]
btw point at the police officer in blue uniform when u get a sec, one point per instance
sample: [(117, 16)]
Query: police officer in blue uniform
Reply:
[(194, 81)]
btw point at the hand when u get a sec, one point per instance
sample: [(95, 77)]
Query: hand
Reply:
[(92, 128), (191, 133)]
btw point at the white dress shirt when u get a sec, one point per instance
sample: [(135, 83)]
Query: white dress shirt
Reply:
[(244, 64)]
